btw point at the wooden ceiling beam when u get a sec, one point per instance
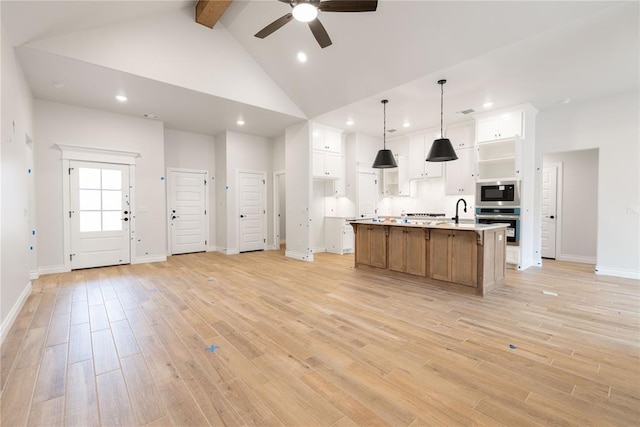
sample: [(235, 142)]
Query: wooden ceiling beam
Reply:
[(208, 12)]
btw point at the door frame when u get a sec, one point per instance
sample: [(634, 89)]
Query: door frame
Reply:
[(559, 214), (96, 155), (206, 204), (264, 203), (276, 210)]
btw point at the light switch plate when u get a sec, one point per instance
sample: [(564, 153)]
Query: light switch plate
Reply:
[(633, 209)]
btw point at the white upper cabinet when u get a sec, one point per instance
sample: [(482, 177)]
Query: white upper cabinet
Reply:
[(327, 139), (396, 180), (327, 160), (419, 146), (506, 125), (460, 174)]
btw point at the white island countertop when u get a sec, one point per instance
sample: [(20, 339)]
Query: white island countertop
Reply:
[(444, 225)]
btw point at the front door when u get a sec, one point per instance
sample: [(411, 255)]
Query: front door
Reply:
[(100, 214), (549, 215), (187, 211), (252, 188)]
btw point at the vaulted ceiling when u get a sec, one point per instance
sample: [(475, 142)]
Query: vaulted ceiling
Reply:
[(504, 52)]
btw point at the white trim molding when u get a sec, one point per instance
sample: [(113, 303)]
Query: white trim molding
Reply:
[(148, 259), (617, 272), (299, 256), (576, 258), (53, 269), (15, 310), (90, 154)]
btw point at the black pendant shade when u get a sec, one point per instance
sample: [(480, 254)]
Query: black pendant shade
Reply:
[(441, 150), (384, 158)]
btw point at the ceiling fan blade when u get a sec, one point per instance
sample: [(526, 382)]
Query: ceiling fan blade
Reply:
[(275, 25), (348, 6), (320, 33)]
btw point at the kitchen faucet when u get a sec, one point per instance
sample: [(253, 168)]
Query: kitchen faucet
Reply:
[(456, 218)]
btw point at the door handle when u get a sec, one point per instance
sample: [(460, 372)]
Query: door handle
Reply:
[(241, 216), (125, 219), (552, 217), (174, 217)]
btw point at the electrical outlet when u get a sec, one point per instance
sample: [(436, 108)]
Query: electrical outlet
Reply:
[(633, 209)]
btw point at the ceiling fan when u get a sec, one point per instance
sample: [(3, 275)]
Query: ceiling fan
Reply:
[(307, 11)]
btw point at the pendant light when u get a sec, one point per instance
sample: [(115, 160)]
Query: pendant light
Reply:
[(441, 149), (384, 159)]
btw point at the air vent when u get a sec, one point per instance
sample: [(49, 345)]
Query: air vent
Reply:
[(469, 111), (392, 130), (150, 116)]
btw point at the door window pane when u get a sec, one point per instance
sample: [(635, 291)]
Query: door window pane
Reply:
[(111, 179), (89, 200), (89, 178), (90, 221), (111, 200), (111, 221)]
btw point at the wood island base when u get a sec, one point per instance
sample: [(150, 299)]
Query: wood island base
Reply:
[(468, 255)]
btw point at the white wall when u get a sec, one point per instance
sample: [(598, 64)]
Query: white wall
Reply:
[(299, 187), (172, 48), (579, 210), (69, 125), (188, 150), (611, 125), (222, 193), (17, 127)]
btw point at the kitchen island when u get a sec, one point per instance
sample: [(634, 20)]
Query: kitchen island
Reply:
[(466, 254)]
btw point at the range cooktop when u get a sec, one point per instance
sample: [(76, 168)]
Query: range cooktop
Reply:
[(424, 215)]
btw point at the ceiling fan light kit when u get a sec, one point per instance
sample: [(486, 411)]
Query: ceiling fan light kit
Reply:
[(441, 149), (384, 159), (307, 11)]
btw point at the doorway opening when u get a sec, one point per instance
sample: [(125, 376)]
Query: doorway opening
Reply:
[(571, 235), (280, 211)]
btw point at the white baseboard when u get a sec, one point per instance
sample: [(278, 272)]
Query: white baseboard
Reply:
[(299, 256), (318, 250), (148, 259), (34, 274), (13, 314), (212, 249), (577, 258), (617, 272), (53, 269)]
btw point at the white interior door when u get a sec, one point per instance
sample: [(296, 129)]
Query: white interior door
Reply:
[(549, 211), (367, 194), (251, 206), (100, 214), (187, 211)]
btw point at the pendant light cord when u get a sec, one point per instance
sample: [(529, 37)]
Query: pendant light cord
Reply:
[(384, 126), (442, 82)]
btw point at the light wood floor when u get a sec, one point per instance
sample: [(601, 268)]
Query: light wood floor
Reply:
[(322, 343)]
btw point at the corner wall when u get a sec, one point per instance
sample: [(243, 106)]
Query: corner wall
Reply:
[(17, 128)]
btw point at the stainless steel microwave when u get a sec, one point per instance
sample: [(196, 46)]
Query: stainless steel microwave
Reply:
[(498, 193)]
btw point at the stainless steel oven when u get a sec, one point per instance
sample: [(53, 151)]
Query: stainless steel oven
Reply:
[(509, 216), (498, 193)]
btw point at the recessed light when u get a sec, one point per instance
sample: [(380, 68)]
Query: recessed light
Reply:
[(57, 85), (349, 122), (487, 104), (406, 124), (240, 122), (302, 57), (121, 98)]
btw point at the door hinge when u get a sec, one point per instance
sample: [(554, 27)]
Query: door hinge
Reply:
[(70, 169), (264, 182), (71, 213), (205, 211), (71, 257), (205, 243), (205, 182), (264, 212), (264, 240)]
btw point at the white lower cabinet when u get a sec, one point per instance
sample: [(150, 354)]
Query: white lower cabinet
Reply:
[(513, 256), (339, 236), (460, 174)]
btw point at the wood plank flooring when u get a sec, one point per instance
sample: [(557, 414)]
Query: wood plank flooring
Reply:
[(320, 344)]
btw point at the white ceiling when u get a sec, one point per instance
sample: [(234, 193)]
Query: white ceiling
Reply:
[(506, 52)]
